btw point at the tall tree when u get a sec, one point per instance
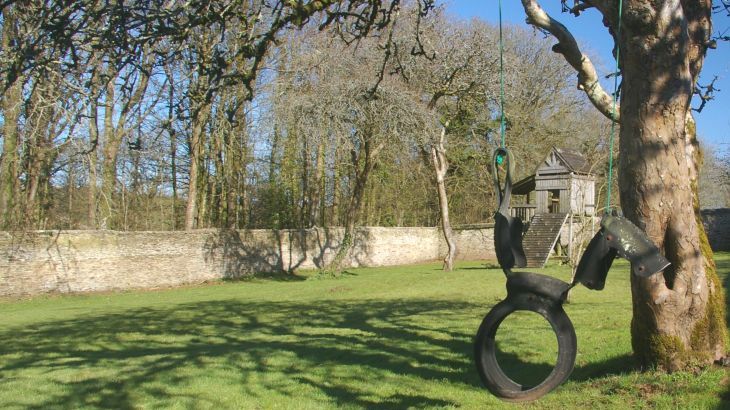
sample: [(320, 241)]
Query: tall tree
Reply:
[(678, 316), (350, 95)]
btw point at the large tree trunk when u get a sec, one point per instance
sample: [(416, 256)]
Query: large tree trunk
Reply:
[(441, 166), (678, 317)]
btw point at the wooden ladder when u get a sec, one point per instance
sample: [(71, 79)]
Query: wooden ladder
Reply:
[(541, 237)]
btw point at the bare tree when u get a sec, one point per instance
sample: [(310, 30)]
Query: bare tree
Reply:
[(328, 96)]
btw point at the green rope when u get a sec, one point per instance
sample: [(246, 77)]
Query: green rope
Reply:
[(613, 109), (501, 78)]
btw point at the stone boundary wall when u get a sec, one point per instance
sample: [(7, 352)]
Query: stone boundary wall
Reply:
[(90, 261), (717, 226)]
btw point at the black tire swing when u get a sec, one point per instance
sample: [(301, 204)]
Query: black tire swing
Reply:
[(485, 352), (543, 294), (525, 292)]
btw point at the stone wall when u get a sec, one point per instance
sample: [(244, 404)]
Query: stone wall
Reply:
[(717, 226), (87, 261)]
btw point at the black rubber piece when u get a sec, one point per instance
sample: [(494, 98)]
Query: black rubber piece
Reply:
[(508, 241), (485, 349), (527, 282), (595, 263)]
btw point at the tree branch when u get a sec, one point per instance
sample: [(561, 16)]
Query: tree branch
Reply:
[(568, 47), (707, 95)]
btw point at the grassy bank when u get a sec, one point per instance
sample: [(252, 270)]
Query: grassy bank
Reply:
[(386, 337)]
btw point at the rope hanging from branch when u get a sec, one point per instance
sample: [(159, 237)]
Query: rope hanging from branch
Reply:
[(613, 109)]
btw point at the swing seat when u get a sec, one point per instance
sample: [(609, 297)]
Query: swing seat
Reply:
[(618, 236), (633, 244), (595, 263), (535, 283)]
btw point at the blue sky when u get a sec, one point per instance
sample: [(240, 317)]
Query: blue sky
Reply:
[(713, 123)]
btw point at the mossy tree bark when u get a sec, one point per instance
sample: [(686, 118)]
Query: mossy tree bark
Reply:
[(679, 315), (679, 318)]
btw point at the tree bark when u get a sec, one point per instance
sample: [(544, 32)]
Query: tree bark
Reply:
[(196, 151), (42, 125), (363, 163), (679, 317), (440, 167), (10, 104), (173, 172), (111, 141), (334, 219), (9, 200), (318, 219)]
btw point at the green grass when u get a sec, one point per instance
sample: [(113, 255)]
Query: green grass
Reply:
[(386, 337)]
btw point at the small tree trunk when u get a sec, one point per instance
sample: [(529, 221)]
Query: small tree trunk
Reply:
[(196, 149), (91, 193), (112, 140), (305, 213), (71, 192), (173, 140), (10, 103), (440, 167), (336, 194), (173, 175), (318, 217), (362, 172), (9, 200)]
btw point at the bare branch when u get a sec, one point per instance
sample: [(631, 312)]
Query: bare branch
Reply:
[(706, 93), (577, 7), (723, 7), (568, 47)]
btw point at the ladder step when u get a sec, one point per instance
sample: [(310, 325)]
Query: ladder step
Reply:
[(541, 236)]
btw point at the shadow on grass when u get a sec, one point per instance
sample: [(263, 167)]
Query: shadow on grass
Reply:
[(125, 355), (488, 265), (531, 374), (154, 353), (610, 367), (272, 276)]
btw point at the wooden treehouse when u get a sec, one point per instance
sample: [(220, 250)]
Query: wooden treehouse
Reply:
[(561, 191)]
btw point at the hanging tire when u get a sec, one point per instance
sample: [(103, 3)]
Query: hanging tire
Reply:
[(485, 349)]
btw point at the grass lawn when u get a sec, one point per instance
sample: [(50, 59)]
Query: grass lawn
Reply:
[(375, 337)]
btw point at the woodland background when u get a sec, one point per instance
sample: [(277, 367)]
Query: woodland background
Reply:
[(178, 116)]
